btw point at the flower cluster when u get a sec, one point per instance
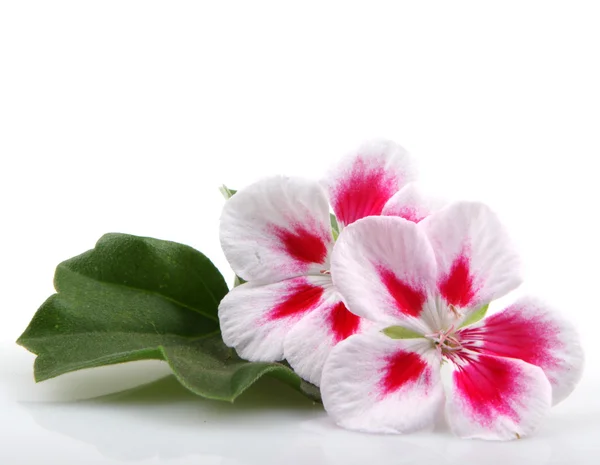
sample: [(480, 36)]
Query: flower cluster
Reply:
[(377, 316)]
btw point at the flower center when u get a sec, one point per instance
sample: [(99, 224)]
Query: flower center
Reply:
[(445, 341)]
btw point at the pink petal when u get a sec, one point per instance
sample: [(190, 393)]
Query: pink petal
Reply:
[(497, 398), (476, 259), (276, 229), (458, 286), (342, 322), (533, 332), (408, 299), (362, 183), (403, 369), (255, 319), (385, 268), (380, 385), (302, 244), (410, 203), (310, 341)]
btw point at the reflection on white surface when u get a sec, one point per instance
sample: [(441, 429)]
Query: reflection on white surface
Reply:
[(16, 370), (164, 423)]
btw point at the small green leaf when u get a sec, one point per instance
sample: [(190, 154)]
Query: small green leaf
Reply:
[(238, 281), (226, 192), (335, 227), (133, 298), (476, 316), (399, 332)]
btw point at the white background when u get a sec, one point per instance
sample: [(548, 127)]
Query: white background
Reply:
[(126, 116)]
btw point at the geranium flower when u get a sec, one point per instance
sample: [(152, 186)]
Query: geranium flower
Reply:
[(276, 234), (423, 283)]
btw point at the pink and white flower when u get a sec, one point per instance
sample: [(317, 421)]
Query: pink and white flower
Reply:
[(423, 282), (276, 234)]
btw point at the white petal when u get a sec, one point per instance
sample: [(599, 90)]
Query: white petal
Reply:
[(411, 204), (310, 341), (384, 267), (532, 331), (476, 258), (497, 398), (363, 181), (376, 384), (255, 319), (276, 229)]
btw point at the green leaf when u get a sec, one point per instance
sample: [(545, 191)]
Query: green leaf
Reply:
[(476, 316), (399, 332), (174, 271), (238, 281), (335, 227), (210, 369), (227, 192), (134, 298)]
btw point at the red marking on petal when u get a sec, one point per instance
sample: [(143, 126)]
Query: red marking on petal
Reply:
[(302, 244), (363, 192), (403, 368), (457, 287), (343, 322), (410, 214), (488, 386), (302, 298), (409, 301), (513, 334)]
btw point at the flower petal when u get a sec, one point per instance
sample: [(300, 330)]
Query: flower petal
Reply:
[(310, 341), (276, 229), (376, 384), (410, 203), (533, 332), (362, 182), (255, 319), (497, 398), (476, 259), (384, 267)]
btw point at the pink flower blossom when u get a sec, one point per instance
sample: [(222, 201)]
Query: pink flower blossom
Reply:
[(423, 283), (276, 234)]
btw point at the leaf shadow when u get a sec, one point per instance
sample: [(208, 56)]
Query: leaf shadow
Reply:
[(266, 393), (164, 419)]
